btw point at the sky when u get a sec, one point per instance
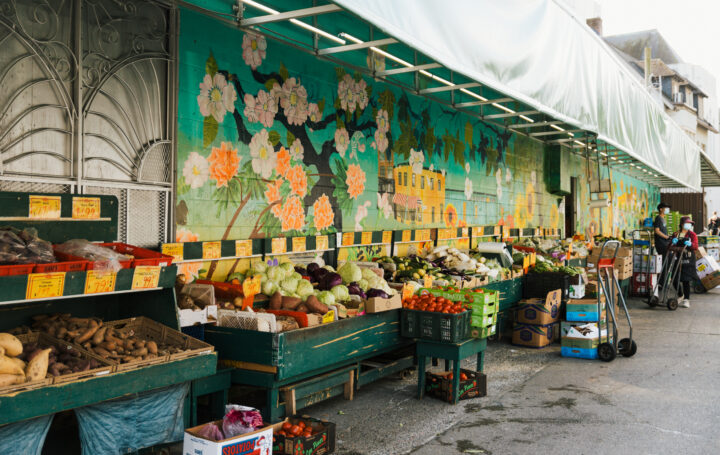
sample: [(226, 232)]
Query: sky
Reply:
[(691, 27)]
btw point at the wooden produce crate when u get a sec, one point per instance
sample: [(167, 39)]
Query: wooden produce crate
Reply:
[(45, 341), (149, 330)]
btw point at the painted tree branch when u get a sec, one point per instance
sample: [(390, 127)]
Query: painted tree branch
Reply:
[(242, 204)]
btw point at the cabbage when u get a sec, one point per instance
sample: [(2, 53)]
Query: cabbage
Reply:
[(295, 275), (367, 273), (258, 267), (350, 272), (269, 288), (304, 289), (364, 284), (341, 293), (289, 285), (326, 297), (276, 274), (263, 277), (288, 267)]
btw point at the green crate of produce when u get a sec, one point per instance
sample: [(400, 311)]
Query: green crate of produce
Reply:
[(448, 328), (483, 332), (481, 321)]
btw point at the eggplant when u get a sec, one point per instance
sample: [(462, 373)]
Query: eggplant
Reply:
[(320, 274), (301, 270), (377, 293), (312, 267), (329, 281), (354, 289)]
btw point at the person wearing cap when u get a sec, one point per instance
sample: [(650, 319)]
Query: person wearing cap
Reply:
[(687, 238), (662, 239)]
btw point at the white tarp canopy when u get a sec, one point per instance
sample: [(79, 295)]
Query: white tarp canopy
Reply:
[(538, 53)]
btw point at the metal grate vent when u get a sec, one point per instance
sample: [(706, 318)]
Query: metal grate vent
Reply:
[(33, 187), (156, 164), (121, 194), (146, 218)]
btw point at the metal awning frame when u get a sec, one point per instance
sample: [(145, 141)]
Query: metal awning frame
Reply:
[(496, 109)]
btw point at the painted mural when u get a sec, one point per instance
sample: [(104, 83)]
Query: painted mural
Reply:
[(273, 142)]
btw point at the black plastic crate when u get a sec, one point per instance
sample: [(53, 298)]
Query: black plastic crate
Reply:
[(538, 285), (448, 328)]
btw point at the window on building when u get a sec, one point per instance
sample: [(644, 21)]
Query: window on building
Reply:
[(432, 211), (439, 185), (422, 182), (405, 178), (432, 184), (413, 180)]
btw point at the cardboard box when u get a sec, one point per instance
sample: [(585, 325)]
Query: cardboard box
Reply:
[(321, 443), (539, 311), (440, 385), (647, 263), (535, 336), (706, 266), (579, 310), (259, 442), (581, 339), (700, 253), (192, 317), (585, 330), (577, 291), (711, 281), (378, 305)]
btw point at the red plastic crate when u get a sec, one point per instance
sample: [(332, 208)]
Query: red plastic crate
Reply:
[(142, 256), (67, 263), (20, 269)]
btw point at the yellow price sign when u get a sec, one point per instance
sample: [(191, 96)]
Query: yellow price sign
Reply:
[(321, 242), (45, 285), (86, 208), (97, 281), (251, 287), (328, 317), (496, 231), (422, 235), (176, 250), (444, 234), (427, 281), (146, 277), (387, 237), (45, 207), (366, 238), (299, 244), (278, 245), (348, 238), (406, 236), (211, 250), (243, 247), (407, 292)]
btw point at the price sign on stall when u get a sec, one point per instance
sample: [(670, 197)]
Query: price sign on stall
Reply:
[(146, 277), (427, 281), (328, 317), (243, 247), (407, 292), (45, 285), (299, 244), (348, 238), (86, 208), (176, 250), (278, 245), (406, 235), (366, 238), (211, 250), (387, 237), (321, 242), (45, 207), (98, 281), (251, 287)]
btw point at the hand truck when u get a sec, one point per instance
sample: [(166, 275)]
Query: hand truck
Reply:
[(642, 247), (665, 291), (610, 288)]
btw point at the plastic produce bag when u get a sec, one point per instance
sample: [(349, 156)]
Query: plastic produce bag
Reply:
[(240, 420), (26, 437), (106, 258), (128, 424), (24, 247)]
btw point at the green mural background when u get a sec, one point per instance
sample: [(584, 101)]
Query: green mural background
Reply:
[(272, 141)]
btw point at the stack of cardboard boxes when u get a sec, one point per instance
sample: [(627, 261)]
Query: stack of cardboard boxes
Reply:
[(580, 332), (707, 268), (536, 321), (623, 261)]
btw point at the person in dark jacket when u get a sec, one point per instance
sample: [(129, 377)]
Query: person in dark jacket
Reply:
[(688, 273), (662, 239)]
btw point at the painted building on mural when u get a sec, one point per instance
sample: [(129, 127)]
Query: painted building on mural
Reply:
[(276, 142)]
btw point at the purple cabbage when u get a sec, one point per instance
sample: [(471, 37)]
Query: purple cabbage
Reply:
[(377, 293), (329, 281), (312, 268), (319, 274), (237, 422)]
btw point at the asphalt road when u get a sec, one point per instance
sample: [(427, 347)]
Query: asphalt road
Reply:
[(665, 399)]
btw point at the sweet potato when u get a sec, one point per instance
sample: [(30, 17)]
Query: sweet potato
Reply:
[(12, 346), (302, 308), (290, 303), (99, 335), (315, 305), (140, 352), (37, 367), (152, 347), (11, 379), (275, 301), (8, 366), (93, 327)]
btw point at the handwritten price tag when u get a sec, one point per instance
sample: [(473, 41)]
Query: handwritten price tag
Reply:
[(176, 250), (422, 235), (406, 236), (86, 208), (407, 292), (444, 234), (45, 207), (278, 245), (98, 281), (321, 242), (427, 281), (251, 287), (496, 230), (366, 238), (45, 285), (387, 237), (328, 317), (465, 232), (348, 238), (211, 250), (243, 247), (299, 244), (146, 277)]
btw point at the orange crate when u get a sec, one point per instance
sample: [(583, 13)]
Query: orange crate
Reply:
[(19, 269), (141, 256)]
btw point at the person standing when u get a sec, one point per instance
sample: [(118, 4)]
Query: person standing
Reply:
[(688, 273), (714, 224), (662, 239)]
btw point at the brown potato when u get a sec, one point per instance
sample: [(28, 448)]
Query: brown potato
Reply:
[(37, 367), (275, 301), (302, 308)]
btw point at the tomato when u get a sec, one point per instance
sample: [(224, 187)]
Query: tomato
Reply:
[(450, 376), (307, 434), (463, 377), (301, 424), (286, 426), (295, 430)]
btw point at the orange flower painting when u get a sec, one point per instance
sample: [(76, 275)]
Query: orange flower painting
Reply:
[(293, 214), (272, 195), (283, 162), (355, 181), (298, 180), (224, 163), (323, 212)]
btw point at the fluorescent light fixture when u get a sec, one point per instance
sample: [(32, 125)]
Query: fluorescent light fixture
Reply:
[(527, 118), (578, 143), (603, 153), (323, 33), (613, 158), (559, 128)]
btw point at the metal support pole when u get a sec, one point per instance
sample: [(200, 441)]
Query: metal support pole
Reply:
[(78, 152)]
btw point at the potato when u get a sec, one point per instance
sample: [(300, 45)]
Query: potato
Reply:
[(99, 335), (315, 305), (238, 302), (11, 379), (37, 367), (8, 366), (275, 301), (152, 347), (19, 363), (12, 346), (302, 308), (290, 303)]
